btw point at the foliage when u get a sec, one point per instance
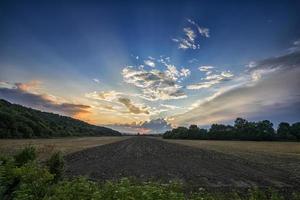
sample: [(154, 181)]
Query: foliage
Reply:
[(20, 122), (33, 181), (26, 155), (56, 165), (242, 130)]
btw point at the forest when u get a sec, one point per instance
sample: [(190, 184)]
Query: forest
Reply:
[(17, 121), (241, 130)]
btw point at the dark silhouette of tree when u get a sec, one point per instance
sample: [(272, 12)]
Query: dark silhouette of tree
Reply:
[(295, 130), (242, 130), (284, 131)]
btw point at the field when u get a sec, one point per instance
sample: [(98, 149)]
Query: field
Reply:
[(154, 159), (45, 147), (284, 156), (198, 163)]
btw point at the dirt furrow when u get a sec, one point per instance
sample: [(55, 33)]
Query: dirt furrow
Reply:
[(151, 159)]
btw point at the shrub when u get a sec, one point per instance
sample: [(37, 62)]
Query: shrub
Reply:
[(79, 188), (26, 155), (34, 182), (56, 165)]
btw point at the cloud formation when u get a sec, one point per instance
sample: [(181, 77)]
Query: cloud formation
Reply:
[(190, 36), (96, 80), (153, 126), (202, 30), (22, 93), (155, 84), (149, 63), (273, 91), (133, 108), (118, 102), (212, 78)]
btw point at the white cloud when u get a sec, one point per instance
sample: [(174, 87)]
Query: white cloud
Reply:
[(104, 95), (190, 34), (202, 30), (155, 84), (205, 68), (150, 63), (185, 72), (186, 44), (211, 79), (96, 80), (171, 107)]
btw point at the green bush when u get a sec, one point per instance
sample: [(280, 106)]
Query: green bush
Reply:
[(26, 155), (34, 182), (79, 188), (56, 165)]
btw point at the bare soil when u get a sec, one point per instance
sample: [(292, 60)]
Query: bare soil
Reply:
[(152, 159)]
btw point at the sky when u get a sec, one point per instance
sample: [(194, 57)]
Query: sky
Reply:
[(148, 66)]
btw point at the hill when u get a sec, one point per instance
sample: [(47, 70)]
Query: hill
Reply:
[(17, 121)]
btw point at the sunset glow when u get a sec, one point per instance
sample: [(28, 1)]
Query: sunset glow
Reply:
[(148, 67)]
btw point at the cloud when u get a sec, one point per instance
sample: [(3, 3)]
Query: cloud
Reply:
[(153, 126), (205, 68), (104, 95), (193, 60), (96, 80), (295, 47), (185, 72), (131, 107), (155, 84), (20, 93), (150, 63), (190, 36), (185, 44), (30, 86), (211, 78), (274, 90), (202, 30), (171, 107)]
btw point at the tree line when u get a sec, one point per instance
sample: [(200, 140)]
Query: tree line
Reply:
[(17, 121), (241, 130)]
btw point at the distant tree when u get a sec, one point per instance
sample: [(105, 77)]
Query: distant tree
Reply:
[(193, 132), (221, 131), (242, 130), (182, 132), (284, 130), (264, 130), (245, 130), (295, 130)]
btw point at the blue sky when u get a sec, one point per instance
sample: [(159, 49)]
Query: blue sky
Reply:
[(131, 63)]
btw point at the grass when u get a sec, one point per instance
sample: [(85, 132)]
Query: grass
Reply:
[(45, 147)]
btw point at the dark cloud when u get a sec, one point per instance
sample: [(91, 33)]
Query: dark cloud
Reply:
[(157, 125), (154, 126), (284, 62), (17, 94), (274, 92), (131, 107)]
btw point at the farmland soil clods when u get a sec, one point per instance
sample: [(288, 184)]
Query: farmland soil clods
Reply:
[(151, 159)]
